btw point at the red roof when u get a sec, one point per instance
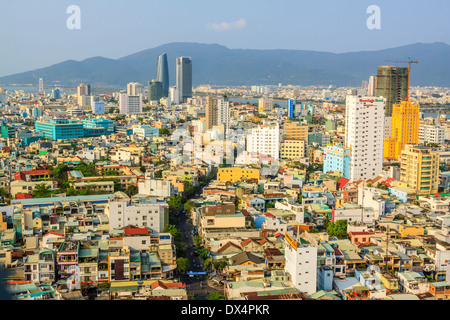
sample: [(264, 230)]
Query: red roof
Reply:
[(342, 182), (36, 172), (359, 233), (163, 285), (23, 196), (437, 194), (54, 233), (136, 231)]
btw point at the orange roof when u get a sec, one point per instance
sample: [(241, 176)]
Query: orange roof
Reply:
[(54, 233), (163, 285)]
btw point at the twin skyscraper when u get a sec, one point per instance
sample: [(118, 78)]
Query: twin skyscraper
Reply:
[(160, 87)]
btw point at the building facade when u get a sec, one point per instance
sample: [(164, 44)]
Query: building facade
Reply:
[(419, 167), (184, 78), (404, 128), (129, 104), (364, 134)]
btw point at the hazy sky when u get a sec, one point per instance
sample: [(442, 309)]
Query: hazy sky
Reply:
[(33, 33)]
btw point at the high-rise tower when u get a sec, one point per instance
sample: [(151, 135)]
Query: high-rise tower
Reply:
[(392, 84), (184, 77), (162, 73), (404, 130)]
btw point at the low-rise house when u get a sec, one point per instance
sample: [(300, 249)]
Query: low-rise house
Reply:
[(413, 282), (441, 290)]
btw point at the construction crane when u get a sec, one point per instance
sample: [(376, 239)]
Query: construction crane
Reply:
[(409, 72)]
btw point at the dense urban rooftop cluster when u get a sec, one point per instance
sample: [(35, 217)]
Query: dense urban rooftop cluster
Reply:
[(238, 193)]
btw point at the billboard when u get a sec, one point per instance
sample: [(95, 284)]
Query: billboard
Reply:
[(290, 240)]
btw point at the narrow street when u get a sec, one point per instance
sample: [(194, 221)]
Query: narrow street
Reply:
[(198, 286)]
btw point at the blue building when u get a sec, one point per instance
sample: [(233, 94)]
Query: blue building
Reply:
[(56, 94), (92, 122), (36, 112), (61, 129), (291, 108), (337, 158), (98, 107), (57, 129), (308, 107), (162, 74), (146, 132)]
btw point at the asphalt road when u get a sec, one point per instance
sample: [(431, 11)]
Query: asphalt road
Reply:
[(198, 285)]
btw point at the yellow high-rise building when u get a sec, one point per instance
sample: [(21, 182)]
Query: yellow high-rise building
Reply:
[(419, 169), (295, 131), (405, 129)]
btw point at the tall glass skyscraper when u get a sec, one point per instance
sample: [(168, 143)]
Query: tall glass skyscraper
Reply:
[(184, 77), (162, 73), (155, 90)]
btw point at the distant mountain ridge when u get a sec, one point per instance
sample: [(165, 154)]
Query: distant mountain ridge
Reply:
[(219, 65)]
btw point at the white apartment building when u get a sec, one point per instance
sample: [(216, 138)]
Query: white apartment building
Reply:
[(298, 209), (174, 95), (429, 133), (152, 215), (130, 104), (265, 140), (156, 187), (301, 264), (364, 134), (135, 88), (265, 103), (274, 224), (98, 107), (354, 213), (372, 198)]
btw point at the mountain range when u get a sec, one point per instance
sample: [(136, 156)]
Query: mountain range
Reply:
[(218, 65)]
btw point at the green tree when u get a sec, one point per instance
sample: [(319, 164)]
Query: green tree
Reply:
[(189, 205), (207, 263), (338, 229), (215, 296), (42, 190), (170, 228), (71, 192), (204, 253), (175, 203), (183, 264), (131, 190), (198, 242), (270, 205), (88, 170), (163, 131), (158, 174), (221, 264)]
